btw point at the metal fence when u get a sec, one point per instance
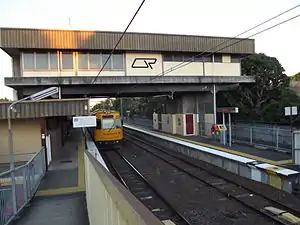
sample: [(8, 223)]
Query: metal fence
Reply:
[(27, 179), (273, 137)]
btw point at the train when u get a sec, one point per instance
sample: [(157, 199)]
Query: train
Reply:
[(109, 128)]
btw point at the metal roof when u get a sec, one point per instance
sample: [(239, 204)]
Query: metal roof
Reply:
[(24, 38), (46, 108)]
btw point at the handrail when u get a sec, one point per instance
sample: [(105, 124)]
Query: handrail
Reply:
[(24, 165)]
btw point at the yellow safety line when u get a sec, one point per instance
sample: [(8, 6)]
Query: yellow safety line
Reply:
[(59, 191), (81, 183), (229, 151), (81, 178)]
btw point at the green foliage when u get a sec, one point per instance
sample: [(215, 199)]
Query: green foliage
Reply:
[(4, 99), (265, 100), (108, 104), (296, 77)]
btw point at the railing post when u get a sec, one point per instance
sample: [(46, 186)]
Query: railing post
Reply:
[(26, 198), (251, 135), (277, 138)]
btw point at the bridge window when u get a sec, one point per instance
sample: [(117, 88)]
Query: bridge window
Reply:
[(235, 59), (67, 60), (117, 60), (95, 61), (108, 65), (83, 61), (28, 61), (41, 61), (218, 58), (187, 57), (53, 60)]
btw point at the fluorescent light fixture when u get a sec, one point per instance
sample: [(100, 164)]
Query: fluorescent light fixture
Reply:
[(44, 94)]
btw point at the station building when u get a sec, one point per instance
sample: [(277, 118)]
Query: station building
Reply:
[(71, 60)]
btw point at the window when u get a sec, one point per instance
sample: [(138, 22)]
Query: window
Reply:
[(83, 61), (188, 58), (53, 60), (108, 65), (108, 123), (168, 57), (207, 58), (28, 61), (178, 58), (41, 61), (218, 58), (118, 123), (235, 59), (67, 60), (98, 125), (95, 61), (117, 61)]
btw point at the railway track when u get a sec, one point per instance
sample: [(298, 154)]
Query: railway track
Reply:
[(142, 189), (255, 201)]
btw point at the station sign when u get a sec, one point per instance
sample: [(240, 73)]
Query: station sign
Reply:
[(228, 110), (290, 111), (84, 121)]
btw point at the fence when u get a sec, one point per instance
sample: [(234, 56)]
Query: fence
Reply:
[(273, 137), (27, 179)]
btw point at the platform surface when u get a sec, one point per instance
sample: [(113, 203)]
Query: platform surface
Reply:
[(60, 199), (263, 155)]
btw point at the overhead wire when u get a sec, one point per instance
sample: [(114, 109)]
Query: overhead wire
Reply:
[(224, 42), (135, 14), (182, 64)]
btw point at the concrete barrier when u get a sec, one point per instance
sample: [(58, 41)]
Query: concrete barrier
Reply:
[(108, 202), (278, 177)]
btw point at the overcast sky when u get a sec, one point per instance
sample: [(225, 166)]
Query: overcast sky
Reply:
[(214, 17)]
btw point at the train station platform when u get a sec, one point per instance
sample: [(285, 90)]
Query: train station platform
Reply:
[(260, 154), (60, 198)]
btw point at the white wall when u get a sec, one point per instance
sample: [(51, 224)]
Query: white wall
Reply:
[(156, 68)]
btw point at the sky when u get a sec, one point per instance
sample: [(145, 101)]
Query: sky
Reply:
[(196, 17)]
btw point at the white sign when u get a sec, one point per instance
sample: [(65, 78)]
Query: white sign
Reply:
[(84, 121), (288, 111)]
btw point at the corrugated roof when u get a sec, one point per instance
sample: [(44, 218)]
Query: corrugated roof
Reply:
[(46, 108), (21, 38)]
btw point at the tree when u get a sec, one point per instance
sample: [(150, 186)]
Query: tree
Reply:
[(271, 88), (107, 104), (296, 77), (4, 99), (270, 82)]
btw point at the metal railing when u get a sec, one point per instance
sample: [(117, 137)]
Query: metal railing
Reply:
[(273, 137), (27, 180)]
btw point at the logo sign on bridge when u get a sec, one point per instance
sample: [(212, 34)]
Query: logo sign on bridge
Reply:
[(143, 63), (84, 121), (228, 110)]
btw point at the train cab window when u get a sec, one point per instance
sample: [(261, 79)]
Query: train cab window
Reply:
[(108, 123), (118, 123), (98, 125)]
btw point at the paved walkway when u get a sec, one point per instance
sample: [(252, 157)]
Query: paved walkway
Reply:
[(263, 155), (60, 199)]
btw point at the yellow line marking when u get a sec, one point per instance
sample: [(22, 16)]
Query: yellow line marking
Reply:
[(228, 150), (59, 191), (81, 178)]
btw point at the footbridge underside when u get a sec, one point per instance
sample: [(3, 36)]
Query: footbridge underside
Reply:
[(76, 86)]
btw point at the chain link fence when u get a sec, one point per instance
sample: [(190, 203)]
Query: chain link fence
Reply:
[(27, 179)]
